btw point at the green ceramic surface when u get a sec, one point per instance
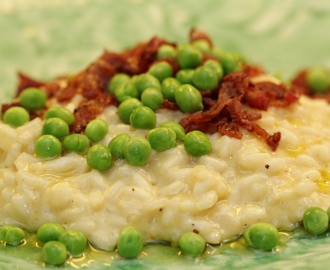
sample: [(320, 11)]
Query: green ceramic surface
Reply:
[(46, 39)]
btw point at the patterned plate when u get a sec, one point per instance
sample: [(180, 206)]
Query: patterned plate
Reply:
[(46, 39)]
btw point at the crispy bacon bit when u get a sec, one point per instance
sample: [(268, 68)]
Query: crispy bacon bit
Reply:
[(196, 34), (139, 59), (253, 71), (26, 82), (301, 83), (88, 110), (170, 105), (5, 107), (227, 115), (264, 94)]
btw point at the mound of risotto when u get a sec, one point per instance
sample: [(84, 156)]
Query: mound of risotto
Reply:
[(261, 153)]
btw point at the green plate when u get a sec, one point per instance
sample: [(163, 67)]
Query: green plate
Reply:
[(46, 39)]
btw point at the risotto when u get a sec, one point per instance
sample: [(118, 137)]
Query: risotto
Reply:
[(239, 183), (242, 181)]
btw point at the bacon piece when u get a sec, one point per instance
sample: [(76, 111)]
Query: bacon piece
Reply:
[(139, 58), (7, 106), (170, 105), (253, 71), (264, 94), (233, 86), (227, 114), (196, 34), (88, 110), (50, 88), (26, 82), (94, 79)]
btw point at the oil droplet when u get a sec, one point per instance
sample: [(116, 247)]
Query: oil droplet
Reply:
[(294, 152), (324, 181), (294, 121)]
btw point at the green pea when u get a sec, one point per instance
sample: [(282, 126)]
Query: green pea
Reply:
[(143, 118), (117, 144), (205, 78), (169, 85), (328, 212), (74, 241), (152, 98), (3, 231), (32, 98), (161, 70), (14, 236), (241, 58), (117, 80), (318, 80), (197, 143), (218, 53), (60, 112), (189, 56), (54, 252), (47, 147), (134, 79), (177, 128), (56, 127), (146, 80), (231, 63), (126, 90), (185, 76), (188, 98), (315, 220), (130, 242), (78, 143), (161, 139), (126, 108), (262, 236), (216, 67), (49, 232), (202, 45), (166, 51), (99, 157), (192, 244), (96, 130), (16, 117), (137, 151)]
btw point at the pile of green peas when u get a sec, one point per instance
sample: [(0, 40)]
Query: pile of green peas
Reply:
[(56, 137), (58, 244), (31, 99), (161, 81), (139, 97)]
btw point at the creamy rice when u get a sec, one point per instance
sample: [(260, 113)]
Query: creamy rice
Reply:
[(241, 182)]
